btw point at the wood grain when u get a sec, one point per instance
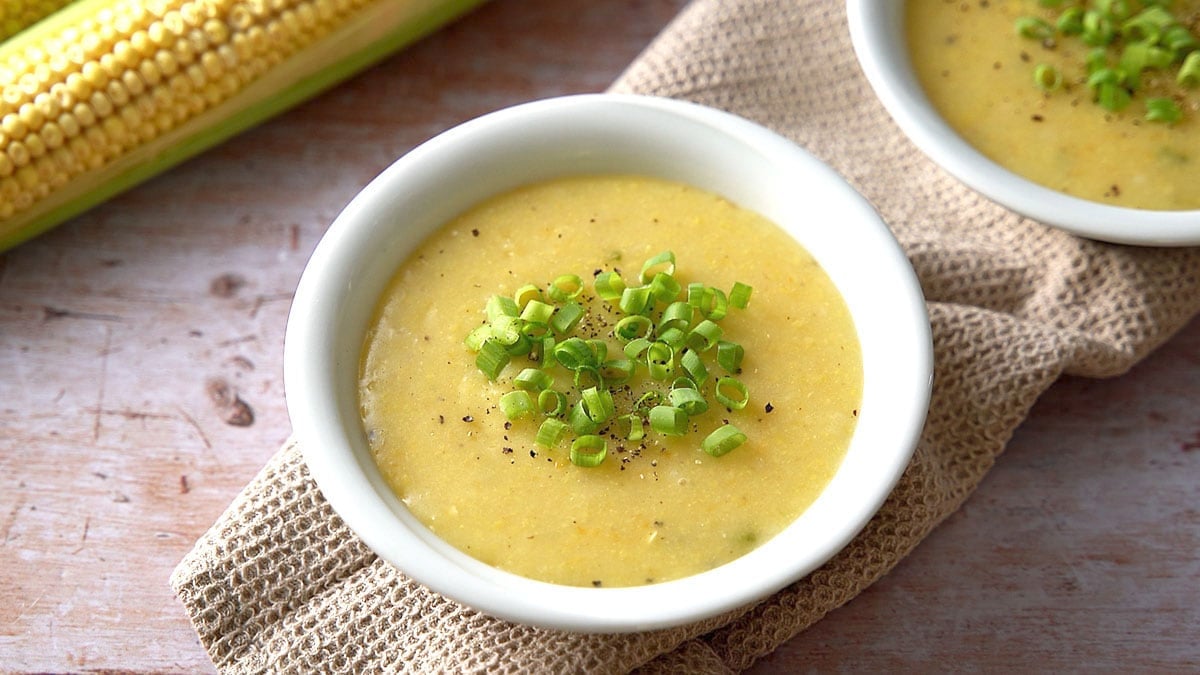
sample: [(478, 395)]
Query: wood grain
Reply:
[(129, 335)]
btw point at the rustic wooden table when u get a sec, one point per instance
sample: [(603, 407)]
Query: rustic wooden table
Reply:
[(1079, 552)]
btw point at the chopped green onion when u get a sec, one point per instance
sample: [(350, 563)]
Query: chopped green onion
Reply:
[(716, 305), (506, 329), (535, 330), (533, 379), (1034, 28), (693, 365), (668, 420), (550, 432), (1163, 110), (617, 371), (1070, 22), (1097, 59), (1189, 72), (648, 400), (1179, 40), (609, 286), (526, 294), (597, 404), (739, 295), (684, 382), (476, 337), (664, 287), (544, 351), (695, 294), (636, 300), (1047, 77), (676, 315), (673, 336), (633, 425), (1113, 97), (536, 311), (660, 360), (632, 327), (587, 376), (722, 440), (637, 347), (498, 306), (1097, 30), (665, 260), (1118, 10), (588, 450), (516, 404), (704, 336), (565, 287), (688, 400), (521, 347), (491, 359), (580, 421), (729, 356), (1147, 26), (573, 353), (552, 403), (599, 350), (566, 318), (739, 389)]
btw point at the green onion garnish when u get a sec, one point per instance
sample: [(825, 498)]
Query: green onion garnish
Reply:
[(668, 420), (1047, 77), (516, 404), (739, 390), (1034, 28), (662, 328), (1163, 110), (550, 433), (588, 450), (723, 440)]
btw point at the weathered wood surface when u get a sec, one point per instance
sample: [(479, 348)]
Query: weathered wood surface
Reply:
[(141, 388)]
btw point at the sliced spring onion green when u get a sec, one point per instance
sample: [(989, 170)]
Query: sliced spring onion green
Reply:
[(648, 400), (567, 318), (552, 403), (536, 311), (550, 432), (477, 336), (586, 376), (526, 294), (739, 295), (609, 286), (722, 440), (678, 314), (633, 327), (636, 300), (516, 404), (673, 336), (693, 365), (704, 336), (617, 371), (533, 379), (491, 359), (1189, 72), (631, 427), (498, 306), (688, 400), (1163, 110), (668, 420), (580, 421), (573, 353), (723, 386), (1047, 77), (588, 450), (664, 287), (660, 360), (730, 355), (565, 287), (663, 262), (1034, 28), (637, 347)]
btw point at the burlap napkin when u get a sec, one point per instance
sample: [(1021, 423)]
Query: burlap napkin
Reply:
[(279, 583)]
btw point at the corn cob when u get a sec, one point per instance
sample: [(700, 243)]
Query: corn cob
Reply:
[(17, 15), (106, 93)]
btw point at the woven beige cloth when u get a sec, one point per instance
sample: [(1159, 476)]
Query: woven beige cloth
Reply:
[(280, 585)]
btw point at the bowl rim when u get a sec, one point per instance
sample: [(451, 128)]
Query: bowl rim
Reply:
[(876, 33), (331, 441)]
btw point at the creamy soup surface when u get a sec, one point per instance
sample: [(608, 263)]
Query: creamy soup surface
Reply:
[(656, 509), (978, 73)]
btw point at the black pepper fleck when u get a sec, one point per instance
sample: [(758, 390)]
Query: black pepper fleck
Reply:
[(769, 407)]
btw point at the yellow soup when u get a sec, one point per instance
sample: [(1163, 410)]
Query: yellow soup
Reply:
[(978, 73), (655, 509)]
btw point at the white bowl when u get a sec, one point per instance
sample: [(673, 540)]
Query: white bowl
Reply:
[(877, 32), (594, 134)]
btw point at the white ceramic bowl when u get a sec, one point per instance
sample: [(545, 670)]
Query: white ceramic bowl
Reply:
[(877, 32), (589, 134)]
